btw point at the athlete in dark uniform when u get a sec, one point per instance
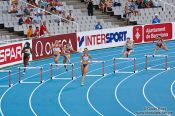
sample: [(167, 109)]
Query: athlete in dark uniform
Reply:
[(26, 54), (128, 47), (67, 49)]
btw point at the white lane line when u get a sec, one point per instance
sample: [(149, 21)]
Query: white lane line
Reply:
[(59, 97), (97, 82), (15, 84), (172, 89), (30, 99), (87, 94), (143, 89), (30, 104), (28, 78), (120, 83)]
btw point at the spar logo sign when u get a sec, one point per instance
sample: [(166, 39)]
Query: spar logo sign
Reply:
[(101, 38), (10, 53), (42, 47)]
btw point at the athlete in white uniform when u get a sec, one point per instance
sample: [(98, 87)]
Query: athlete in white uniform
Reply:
[(56, 51), (84, 59), (128, 47)]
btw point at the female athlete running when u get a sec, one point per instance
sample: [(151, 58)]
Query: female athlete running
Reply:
[(56, 51), (128, 47), (84, 59), (159, 44), (66, 54), (26, 54)]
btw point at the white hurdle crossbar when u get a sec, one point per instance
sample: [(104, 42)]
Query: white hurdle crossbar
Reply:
[(51, 70), (129, 59), (9, 78), (103, 69), (160, 56), (40, 69)]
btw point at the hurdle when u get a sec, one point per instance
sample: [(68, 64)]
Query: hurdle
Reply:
[(127, 59), (51, 71), (160, 56), (9, 78), (19, 75), (102, 71)]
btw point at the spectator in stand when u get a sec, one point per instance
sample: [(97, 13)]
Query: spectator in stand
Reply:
[(20, 21), (48, 9), (26, 11), (149, 4), (28, 20), (36, 19), (42, 12), (43, 3), (19, 11), (69, 16), (65, 16), (108, 5), (139, 4), (13, 8), (156, 19), (98, 26), (29, 32), (53, 9), (37, 32), (59, 8), (90, 8), (32, 2), (43, 29), (133, 8), (127, 11), (102, 5), (116, 3)]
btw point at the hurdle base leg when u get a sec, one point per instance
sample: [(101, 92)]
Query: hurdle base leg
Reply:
[(42, 81), (10, 85)]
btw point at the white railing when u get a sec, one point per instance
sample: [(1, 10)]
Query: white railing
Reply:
[(60, 24), (11, 40), (164, 3)]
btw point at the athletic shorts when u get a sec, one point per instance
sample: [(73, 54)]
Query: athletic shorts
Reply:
[(84, 65), (159, 45), (128, 50)]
